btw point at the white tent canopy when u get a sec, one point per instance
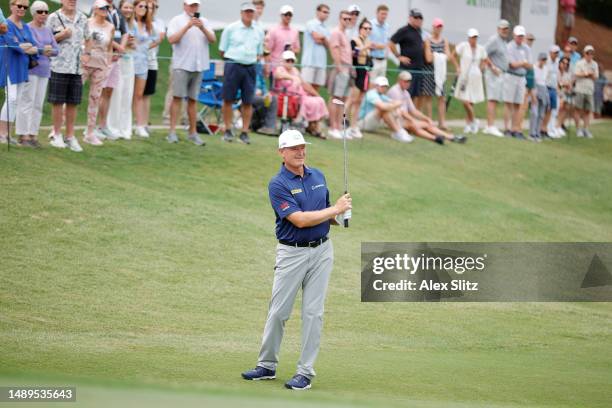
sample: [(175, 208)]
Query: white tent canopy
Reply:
[(538, 16)]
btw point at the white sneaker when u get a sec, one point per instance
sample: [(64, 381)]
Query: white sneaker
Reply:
[(125, 136), (99, 134), (467, 129), (560, 132), (587, 133), (402, 136), (493, 131), (580, 133), (334, 134), (141, 132), (74, 145), (355, 133), (57, 141), (475, 126)]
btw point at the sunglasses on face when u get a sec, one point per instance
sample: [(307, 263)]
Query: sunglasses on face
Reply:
[(418, 17), (288, 15), (21, 6), (367, 28), (142, 6), (42, 11), (346, 18), (290, 61)]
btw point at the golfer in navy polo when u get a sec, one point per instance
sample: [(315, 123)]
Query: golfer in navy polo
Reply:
[(304, 258)]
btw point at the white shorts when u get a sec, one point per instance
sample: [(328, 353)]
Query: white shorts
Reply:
[(379, 69), (514, 88), (371, 122), (314, 75), (495, 86)]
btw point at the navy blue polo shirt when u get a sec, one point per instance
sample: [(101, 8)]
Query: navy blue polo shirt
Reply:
[(290, 193)]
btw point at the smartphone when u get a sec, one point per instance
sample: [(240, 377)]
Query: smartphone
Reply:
[(196, 14)]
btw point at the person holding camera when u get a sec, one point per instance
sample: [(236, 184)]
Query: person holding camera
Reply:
[(18, 58), (29, 112), (469, 89), (190, 37)]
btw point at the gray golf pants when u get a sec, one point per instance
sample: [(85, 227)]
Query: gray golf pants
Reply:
[(308, 268)]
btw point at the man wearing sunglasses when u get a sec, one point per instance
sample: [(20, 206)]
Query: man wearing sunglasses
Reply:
[(340, 78), (314, 57), (282, 38), (411, 55)]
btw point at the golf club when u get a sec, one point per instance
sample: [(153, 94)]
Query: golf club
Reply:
[(347, 213)]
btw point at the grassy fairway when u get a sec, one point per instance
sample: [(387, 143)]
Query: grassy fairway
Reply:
[(141, 271)]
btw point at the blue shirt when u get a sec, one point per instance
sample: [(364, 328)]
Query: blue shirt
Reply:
[(241, 43), (379, 35), (14, 56), (370, 100), (313, 54), (290, 193)]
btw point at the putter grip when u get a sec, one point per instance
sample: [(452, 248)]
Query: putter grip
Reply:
[(347, 216)]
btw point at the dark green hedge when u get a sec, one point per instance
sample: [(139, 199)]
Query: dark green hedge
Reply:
[(596, 10)]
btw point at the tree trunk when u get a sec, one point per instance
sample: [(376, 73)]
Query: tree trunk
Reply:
[(511, 11)]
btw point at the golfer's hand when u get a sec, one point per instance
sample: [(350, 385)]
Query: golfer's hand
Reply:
[(344, 203)]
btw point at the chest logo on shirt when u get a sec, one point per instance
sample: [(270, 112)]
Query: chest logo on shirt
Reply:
[(296, 191), (318, 186), (284, 206)]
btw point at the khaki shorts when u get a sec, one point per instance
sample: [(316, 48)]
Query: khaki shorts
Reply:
[(495, 86), (584, 102), (371, 122), (569, 20), (340, 84), (186, 84), (314, 75), (514, 89)]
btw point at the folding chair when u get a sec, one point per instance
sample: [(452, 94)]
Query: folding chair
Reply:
[(211, 98)]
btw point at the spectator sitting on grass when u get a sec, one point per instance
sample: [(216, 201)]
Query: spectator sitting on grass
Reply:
[(415, 121), (378, 108)]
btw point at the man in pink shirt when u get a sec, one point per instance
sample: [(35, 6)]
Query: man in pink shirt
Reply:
[(568, 12), (340, 79), (281, 38)]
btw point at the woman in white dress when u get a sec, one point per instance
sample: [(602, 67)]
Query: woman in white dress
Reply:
[(469, 88)]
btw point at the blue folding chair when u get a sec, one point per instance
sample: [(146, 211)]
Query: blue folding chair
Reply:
[(211, 97)]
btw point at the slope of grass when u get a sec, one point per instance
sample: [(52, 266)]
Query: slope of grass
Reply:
[(142, 271)]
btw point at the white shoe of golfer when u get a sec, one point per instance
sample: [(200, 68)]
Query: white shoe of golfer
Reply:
[(467, 129), (493, 131), (74, 145), (560, 132), (355, 133), (141, 132), (58, 141)]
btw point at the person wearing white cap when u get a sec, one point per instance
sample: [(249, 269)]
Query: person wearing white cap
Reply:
[(515, 82), (586, 73), (32, 97), (241, 46), (299, 197), (340, 78), (415, 121), (190, 36), (469, 89), (538, 109), (313, 109), (497, 52), (378, 108), (351, 30), (281, 38)]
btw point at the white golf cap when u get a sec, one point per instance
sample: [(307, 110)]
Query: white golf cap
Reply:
[(286, 9), (472, 32), (353, 7), (191, 2), (290, 138), (247, 6), (288, 55), (589, 48), (381, 81), (503, 24), (97, 4), (554, 48), (405, 76), (519, 31)]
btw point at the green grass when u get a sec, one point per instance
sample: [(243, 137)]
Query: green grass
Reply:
[(141, 272)]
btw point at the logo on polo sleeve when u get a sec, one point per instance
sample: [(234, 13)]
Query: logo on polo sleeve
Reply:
[(284, 206)]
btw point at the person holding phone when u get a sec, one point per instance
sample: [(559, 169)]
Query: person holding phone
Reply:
[(190, 37)]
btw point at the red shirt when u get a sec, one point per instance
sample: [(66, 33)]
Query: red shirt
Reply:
[(569, 6)]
